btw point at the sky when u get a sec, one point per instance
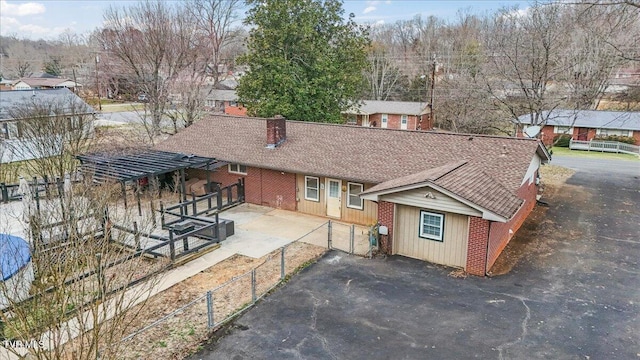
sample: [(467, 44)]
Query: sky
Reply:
[(47, 19)]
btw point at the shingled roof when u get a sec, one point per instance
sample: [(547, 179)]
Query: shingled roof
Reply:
[(362, 154), (461, 178)]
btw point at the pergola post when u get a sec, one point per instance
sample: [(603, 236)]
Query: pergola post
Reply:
[(208, 177), (124, 193)]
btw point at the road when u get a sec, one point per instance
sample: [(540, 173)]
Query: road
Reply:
[(598, 166), (124, 118)]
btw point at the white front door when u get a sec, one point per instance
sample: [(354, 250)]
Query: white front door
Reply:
[(334, 196)]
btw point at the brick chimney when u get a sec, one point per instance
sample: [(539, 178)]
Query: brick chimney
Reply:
[(276, 131)]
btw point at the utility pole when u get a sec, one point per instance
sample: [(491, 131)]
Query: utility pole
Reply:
[(433, 87), (98, 82)]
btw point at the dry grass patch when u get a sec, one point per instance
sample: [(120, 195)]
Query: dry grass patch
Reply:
[(181, 334)]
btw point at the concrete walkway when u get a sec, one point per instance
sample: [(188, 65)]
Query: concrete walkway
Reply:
[(259, 230)]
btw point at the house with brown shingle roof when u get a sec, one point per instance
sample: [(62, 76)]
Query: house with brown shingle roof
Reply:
[(451, 199), (30, 83), (403, 115)]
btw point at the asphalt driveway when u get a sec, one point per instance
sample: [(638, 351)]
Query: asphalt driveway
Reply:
[(575, 295)]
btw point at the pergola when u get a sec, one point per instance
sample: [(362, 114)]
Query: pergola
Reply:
[(132, 166)]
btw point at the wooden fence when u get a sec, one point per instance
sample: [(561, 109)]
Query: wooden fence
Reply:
[(604, 146)]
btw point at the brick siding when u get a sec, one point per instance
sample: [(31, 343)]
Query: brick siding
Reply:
[(501, 233), (262, 186), (238, 110), (393, 121), (477, 245), (385, 217)]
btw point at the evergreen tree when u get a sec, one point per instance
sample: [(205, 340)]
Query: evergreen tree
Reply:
[(305, 60)]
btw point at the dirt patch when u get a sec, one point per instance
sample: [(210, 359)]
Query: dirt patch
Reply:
[(183, 333), (555, 175), (538, 233)]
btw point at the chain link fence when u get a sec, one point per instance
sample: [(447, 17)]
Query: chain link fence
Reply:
[(191, 324), (352, 239)]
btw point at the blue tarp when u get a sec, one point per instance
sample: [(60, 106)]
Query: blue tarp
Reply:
[(14, 255)]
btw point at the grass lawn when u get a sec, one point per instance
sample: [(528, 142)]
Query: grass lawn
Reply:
[(562, 151), (120, 107)]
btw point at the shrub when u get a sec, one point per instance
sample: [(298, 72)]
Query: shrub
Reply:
[(561, 140), (622, 139)]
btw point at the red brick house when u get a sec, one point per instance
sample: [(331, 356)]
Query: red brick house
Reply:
[(585, 125), (225, 101), (390, 115), (452, 199)]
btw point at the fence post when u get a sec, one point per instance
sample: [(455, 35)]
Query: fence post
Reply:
[(136, 235), (352, 235), (194, 205), (229, 195), (5, 193), (172, 246), (253, 285), (153, 214), (218, 228), (218, 197), (45, 178), (282, 271), (241, 190), (210, 322), (329, 235), (162, 214)]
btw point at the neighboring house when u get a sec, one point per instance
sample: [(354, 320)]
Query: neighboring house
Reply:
[(624, 80), (586, 125), (390, 115), (72, 109), (225, 101), (31, 83), (452, 199), (5, 84)]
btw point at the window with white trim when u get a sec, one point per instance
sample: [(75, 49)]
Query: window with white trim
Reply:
[(238, 169), (384, 120), (563, 130), (353, 196), (233, 103), (311, 188), (431, 226), (404, 119)]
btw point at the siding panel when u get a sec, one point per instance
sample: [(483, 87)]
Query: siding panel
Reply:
[(442, 202), (308, 206), (367, 216), (451, 251)]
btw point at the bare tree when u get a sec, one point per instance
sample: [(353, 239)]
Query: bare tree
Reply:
[(523, 53), (79, 305), (383, 77), (51, 131), (214, 21), (154, 42)]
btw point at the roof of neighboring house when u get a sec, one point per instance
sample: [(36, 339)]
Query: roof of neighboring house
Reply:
[(595, 119), (369, 107), (12, 98), (362, 154), (40, 81), (227, 84), (463, 179), (223, 95)]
